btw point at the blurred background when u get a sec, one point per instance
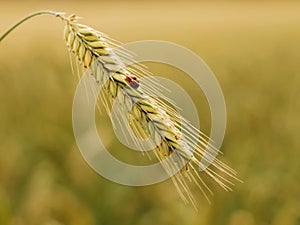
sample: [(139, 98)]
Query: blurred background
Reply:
[(251, 46)]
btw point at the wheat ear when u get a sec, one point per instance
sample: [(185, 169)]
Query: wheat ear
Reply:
[(147, 115)]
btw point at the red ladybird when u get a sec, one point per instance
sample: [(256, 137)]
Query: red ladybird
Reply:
[(133, 81)]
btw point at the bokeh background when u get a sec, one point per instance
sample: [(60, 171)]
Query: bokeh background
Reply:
[(252, 47)]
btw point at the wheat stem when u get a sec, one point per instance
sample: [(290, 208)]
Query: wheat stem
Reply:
[(43, 12)]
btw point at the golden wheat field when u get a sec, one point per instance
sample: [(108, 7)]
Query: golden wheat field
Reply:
[(251, 46)]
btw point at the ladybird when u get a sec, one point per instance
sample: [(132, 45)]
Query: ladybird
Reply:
[(133, 81)]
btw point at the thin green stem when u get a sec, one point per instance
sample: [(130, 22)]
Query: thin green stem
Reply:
[(57, 14)]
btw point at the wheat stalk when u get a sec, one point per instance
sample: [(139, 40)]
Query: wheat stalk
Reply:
[(148, 116)]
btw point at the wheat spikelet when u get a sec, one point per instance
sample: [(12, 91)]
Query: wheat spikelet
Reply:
[(147, 115)]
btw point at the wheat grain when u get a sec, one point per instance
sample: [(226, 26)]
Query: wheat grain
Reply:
[(147, 115)]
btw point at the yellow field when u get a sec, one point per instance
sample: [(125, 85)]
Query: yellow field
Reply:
[(253, 49)]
